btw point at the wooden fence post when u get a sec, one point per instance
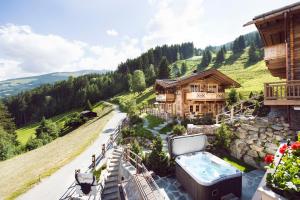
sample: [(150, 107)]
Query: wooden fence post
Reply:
[(217, 119), (93, 161), (231, 114), (103, 149)]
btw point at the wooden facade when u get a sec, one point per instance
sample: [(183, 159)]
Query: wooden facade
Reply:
[(280, 33), (195, 95)]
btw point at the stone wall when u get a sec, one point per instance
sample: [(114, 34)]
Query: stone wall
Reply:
[(253, 138)]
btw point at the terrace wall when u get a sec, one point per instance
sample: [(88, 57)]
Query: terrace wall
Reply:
[(253, 138)]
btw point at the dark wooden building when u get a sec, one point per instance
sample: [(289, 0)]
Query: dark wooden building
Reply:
[(280, 33)]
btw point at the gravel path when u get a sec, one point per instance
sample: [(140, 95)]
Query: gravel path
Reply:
[(53, 187)]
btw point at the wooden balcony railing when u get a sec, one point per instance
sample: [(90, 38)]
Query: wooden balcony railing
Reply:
[(165, 97), (275, 51), (205, 96), (288, 90)]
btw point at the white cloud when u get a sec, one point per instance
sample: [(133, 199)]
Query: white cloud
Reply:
[(112, 32), (174, 22), (24, 52)]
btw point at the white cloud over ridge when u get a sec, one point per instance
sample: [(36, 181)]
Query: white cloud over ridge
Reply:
[(24, 52), (174, 22)]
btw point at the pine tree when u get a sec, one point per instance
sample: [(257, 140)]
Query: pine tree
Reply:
[(206, 58), (183, 68), (220, 56), (252, 56), (164, 71), (88, 105), (150, 75)]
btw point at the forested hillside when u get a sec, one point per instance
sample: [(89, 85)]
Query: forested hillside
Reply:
[(53, 99), (136, 74)]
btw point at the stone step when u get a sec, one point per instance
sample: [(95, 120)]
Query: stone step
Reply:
[(113, 173), (113, 196), (111, 179), (110, 190), (113, 169), (111, 184)]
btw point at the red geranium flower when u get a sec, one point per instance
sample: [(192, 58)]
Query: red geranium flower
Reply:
[(269, 158), (296, 145), (283, 148)]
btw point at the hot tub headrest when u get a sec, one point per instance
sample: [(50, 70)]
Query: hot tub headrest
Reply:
[(187, 144)]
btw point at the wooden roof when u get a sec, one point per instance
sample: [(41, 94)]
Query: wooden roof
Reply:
[(277, 13), (211, 73)]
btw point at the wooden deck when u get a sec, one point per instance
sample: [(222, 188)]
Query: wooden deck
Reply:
[(282, 93)]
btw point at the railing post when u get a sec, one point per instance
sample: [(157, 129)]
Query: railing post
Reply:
[(217, 119), (103, 149), (231, 114), (93, 161), (137, 164)]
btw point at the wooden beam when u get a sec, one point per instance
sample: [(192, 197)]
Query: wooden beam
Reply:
[(282, 102)]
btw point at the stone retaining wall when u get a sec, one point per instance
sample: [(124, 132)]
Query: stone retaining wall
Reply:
[(253, 138)]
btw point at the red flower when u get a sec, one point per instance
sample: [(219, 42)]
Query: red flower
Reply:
[(283, 148), (296, 145), (269, 158)]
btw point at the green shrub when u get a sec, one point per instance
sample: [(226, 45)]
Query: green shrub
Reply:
[(75, 120), (223, 136), (158, 161), (136, 148), (127, 132), (47, 127), (179, 130), (34, 143), (233, 96), (135, 119), (7, 145)]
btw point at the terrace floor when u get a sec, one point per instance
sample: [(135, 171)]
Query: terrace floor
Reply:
[(175, 191)]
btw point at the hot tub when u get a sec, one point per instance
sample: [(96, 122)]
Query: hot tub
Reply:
[(202, 174)]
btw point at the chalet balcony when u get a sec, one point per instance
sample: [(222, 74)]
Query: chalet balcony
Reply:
[(277, 51), (205, 96), (165, 97), (282, 93)]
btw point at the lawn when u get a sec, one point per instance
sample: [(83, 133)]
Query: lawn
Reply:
[(21, 172), (140, 99), (154, 121), (166, 129), (24, 133), (237, 163)]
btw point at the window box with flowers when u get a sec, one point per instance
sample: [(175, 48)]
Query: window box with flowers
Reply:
[(283, 173)]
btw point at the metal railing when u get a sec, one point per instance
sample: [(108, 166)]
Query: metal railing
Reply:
[(142, 171), (96, 161)]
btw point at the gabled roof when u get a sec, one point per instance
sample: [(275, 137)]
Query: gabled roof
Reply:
[(212, 73), (275, 13)]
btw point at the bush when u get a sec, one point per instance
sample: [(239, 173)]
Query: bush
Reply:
[(158, 161), (47, 127), (34, 143), (136, 148), (75, 120), (223, 136), (233, 97), (135, 119), (127, 132), (8, 148), (179, 130)]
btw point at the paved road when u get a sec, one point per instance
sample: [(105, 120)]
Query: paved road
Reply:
[(53, 187)]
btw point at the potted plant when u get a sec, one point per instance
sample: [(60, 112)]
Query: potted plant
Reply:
[(283, 174)]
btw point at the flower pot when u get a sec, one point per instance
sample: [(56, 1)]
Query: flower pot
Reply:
[(268, 194)]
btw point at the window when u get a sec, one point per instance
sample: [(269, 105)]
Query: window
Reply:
[(212, 88), (194, 88), (191, 108), (197, 108)]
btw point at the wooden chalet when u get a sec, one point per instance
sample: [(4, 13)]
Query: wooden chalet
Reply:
[(280, 33), (195, 95)]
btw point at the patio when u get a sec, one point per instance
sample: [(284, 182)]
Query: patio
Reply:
[(175, 191)]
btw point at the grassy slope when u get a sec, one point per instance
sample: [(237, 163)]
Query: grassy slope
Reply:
[(28, 131), (23, 171), (251, 77)]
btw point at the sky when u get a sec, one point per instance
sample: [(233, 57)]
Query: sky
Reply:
[(39, 36)]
